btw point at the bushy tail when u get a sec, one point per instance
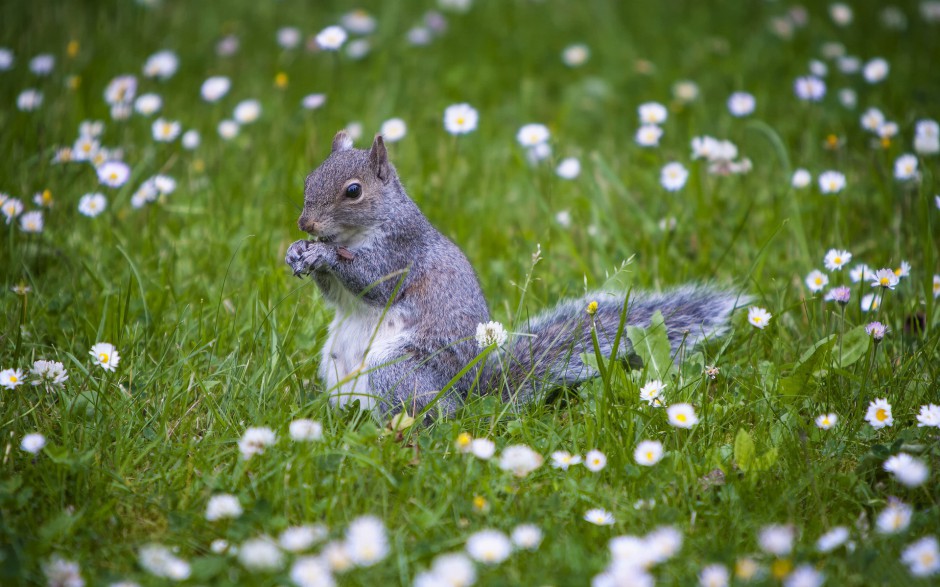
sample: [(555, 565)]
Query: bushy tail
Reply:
[(550, 356)]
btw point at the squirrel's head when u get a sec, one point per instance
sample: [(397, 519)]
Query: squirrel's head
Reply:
[(347, 195)]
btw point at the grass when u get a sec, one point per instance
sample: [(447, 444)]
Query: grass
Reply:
[(216, 336)]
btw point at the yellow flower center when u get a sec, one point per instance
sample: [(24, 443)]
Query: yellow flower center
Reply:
[(897, 271), (103, 357), (818, 281), (881, 414), (758, 319), (825, 421), (885, 142), (781, 568), (649, 455), (113, 176), (832, 140), (464, 439), (885, 281), (838, 260), (460, 120), (86, 147), (280, 80), (72, 48), (13, 379), (681, 418)]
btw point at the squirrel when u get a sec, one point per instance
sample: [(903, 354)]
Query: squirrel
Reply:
[(408, 302)]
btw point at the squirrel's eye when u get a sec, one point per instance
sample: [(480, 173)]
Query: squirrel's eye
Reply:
[(353, 190)]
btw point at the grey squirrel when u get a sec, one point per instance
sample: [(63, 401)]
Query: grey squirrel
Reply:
[(408, 302)]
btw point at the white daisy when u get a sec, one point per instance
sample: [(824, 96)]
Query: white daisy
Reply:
[(460, 119), (393, 130), (106, 355), (92, 205)]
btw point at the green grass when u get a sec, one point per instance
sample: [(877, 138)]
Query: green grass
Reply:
[(216, 336)]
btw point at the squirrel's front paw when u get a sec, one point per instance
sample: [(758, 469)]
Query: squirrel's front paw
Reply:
[(304, 256)]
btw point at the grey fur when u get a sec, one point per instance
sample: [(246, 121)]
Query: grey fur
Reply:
[(383, 266)]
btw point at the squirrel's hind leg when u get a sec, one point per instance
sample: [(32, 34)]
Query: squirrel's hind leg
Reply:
[(411, 384)]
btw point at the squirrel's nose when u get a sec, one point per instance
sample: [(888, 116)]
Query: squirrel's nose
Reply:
[(308, 225)]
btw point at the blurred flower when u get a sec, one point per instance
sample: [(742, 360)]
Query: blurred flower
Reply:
[(896, 517), (927, 137), (885, 278), (531, 135), (227, 46), (905, 167), (831, 182), (801, 178), (157, 560), (191, 139), (121, 90), (6, 59), (526, 536), (875, 70), (148, 104), (861, 272), (685, 91), (11, 378), (652, 113), (335, 555), (652, 392), (907, 470), (288, 37), (869, 303), (832, 539), (161, 65), (223, 505), (463, 442), (482, 448), (305, 430), (29, 100), (809, 88), (49, 373), (804, 576), (673, 176), (841, 14), (879, 413), (255, 440), (839, 294), (63, 573), (816, 280), (460, 119), (11, 208), (922, 557), (872, 120), (42, 65), (106, 356), (489, 334), (776, 539), (568, 168), (114, 173), (419, 36), (91, 205), (331, 38), (260, 555), (33, 442), (311, 571), (228, 129), (715, 575), (648, 135), (358, 22), (358, 48), (648, 452), (575, 55), (599, 517), (393, 130), (31, 222), (165, 131), (562, 459), (836, 259), (313, 101), (826, 421), (247, 111), (929, 415), (520, 460), (489, 547), (758, 317), (366, 542), (214, 88), (741, 104), (300, 538), (848, 98)]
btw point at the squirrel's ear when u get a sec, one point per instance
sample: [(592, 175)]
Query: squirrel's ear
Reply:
[(378, 159), (342, 141)]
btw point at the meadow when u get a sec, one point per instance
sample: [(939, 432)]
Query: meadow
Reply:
[(161, 418)]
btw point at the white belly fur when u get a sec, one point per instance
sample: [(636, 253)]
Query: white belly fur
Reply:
[(358, 343)]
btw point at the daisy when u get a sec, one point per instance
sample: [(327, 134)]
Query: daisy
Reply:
[(804, 576), (214, 88), (11, 208), (6, 59), (876, 330), (652, 392), (876, 70), (841, 14), (288, 37), (836, 259), (907, 470), (190, 139), (452, 570), (33, 443), (260, 555), (816, 280), (904, 270), (92, 205), (652, 113), (106, 356), (568, 168), (255, 440), (311, 571), (826, 421), (29, 100), (393, 130), (491, 333), (714, 576), (832, 539), (531, 135), (801, 179), (228, 129), (121, 90), (869, 303), (313, 101), (682, 415), (741, 104), (839, 294), (300, 538), (223, 505), (460, 119), (885, 278), (872, 119), (809, 88), (161, 65), (896, 517), (776, 539), (11, 378), (758, 317), (482, 448), (331, 38), (114, 173), (575, 55), (520, 460), (489, 547), (648, 135), (148, 104), (247, 111), (526, 536), (888, 130), (905, 167), (648, 452), (49, 373), (922, 557), (673, 176), (305, 430), (848, 98), (563, 459), (366, 541), (358, 22), (595, 460), (831, 182), (599, 517), (159, 561), (879, 414), (165, 131), (61, 572), (929, 415), (685, 91), (861, 272), (663, 543), (42, 64), (31, 222)]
